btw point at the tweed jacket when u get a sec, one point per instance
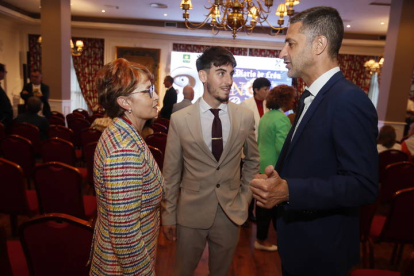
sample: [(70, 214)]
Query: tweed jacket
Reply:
[(129, 188), (197, 180)]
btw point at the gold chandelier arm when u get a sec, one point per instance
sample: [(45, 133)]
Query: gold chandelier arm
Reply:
[(275, 28), (195, 26)]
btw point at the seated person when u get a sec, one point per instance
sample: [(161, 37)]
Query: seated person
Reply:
[(407, 145), (34, 105), (101, 123), (386, 139), (37, 88)]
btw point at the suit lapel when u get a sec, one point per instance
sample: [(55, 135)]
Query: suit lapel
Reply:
[(194, 125), (312, 108)]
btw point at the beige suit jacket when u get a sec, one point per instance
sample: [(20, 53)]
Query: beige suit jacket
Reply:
[(195, 183)]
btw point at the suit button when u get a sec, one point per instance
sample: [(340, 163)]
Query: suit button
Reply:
[(218, 168), (218, 185)]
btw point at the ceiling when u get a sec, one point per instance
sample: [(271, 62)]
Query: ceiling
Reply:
[(364, 17)]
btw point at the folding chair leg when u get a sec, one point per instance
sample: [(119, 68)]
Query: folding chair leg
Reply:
[(394, 254), (371, 254), (399, 255)]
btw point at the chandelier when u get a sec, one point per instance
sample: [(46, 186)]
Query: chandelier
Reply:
[(374, 66), (235, 15), (76, 51)]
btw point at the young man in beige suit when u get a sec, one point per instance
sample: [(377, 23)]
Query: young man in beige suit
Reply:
[(206, 201)]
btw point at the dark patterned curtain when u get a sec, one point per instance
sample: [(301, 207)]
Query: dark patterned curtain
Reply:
[(86, 67), (35, 53)]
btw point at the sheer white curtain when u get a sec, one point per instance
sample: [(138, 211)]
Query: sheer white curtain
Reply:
[(77, 100), (374, 89)]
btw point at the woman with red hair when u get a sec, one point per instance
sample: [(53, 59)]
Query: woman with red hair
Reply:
[(128, 181)]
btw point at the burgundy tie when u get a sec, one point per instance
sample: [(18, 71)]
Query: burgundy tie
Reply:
[(216, 135)]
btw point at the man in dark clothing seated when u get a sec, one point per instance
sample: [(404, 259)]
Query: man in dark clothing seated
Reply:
[(34, 105), (37, 88)]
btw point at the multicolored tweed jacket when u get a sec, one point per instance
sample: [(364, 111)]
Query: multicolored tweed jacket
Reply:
[(129, 189)]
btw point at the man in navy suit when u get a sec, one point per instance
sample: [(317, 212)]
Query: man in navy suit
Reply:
[(328, 164), (37, 88)]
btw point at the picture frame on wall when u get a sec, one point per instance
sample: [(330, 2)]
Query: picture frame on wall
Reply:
[(148, 57)]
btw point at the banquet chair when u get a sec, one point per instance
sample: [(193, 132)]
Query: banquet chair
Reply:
[(81, 111), (12, 259), (366, 215), (2, 131), (5, 266), (397, 227), (157, 140), (88, 154), (57, 244), (59, 190), (72, 116), (14, 198), (61, 132), (55, 120), (158, 155), (162, 121), (89, 135), (20, 151), (94, 116), (408, 270), (159, 128), (30, 132), (388, 157), (57, 114), (397, 176), (77, 125)]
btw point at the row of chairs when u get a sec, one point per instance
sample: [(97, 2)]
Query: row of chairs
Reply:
[(58, 188), (54, 243)]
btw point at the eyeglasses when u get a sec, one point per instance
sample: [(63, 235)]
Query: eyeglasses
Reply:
[(150, 91)]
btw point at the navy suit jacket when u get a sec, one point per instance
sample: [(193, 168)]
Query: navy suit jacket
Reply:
[(45, 98), (170, 99), (331, 168)]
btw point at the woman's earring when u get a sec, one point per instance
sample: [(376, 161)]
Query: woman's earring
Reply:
[(130, 110)]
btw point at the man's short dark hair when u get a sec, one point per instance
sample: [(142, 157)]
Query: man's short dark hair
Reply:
[(259, 83), (34, 104), (170, 79), (2, 67), (217, 56), (324, 21)]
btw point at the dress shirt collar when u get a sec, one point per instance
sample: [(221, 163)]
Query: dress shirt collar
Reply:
[(204, 106), (317, 85)]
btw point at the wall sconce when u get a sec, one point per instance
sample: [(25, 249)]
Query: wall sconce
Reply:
[(76, 51)]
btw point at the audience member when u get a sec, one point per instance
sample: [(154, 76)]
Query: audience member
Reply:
[(102, 123), (273, 129), (387, 139), (328, 165), (257, 103), (6, 110), (206, 201), (170, 98), (37, 88), (31, 116), (188, 93), (128, 182)]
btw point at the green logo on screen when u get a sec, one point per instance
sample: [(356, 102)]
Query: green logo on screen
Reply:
[(186, 58)]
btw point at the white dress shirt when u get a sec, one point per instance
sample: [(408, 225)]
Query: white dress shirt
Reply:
[(314, 90), (207, 118)]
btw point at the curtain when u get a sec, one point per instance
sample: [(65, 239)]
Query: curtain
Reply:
[(35, 53), (86, 67)]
